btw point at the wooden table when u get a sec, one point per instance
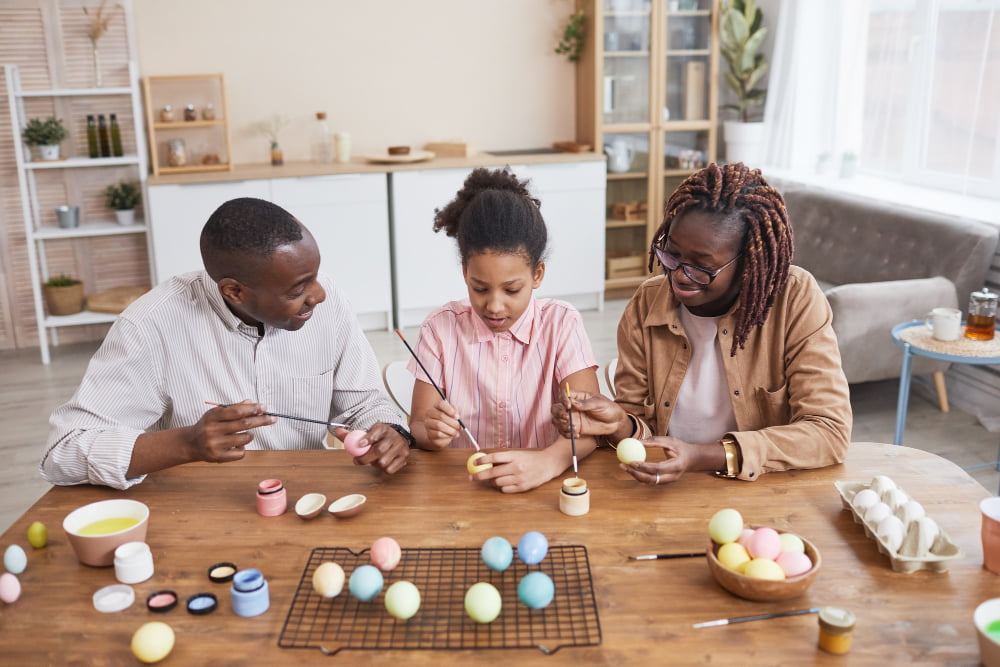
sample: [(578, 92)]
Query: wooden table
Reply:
[(203, 513)]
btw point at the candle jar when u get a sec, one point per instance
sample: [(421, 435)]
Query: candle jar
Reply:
[(176, 153), (190, 113), (208, 112), (167, 114), (836, 627), (574, 497), (982, 319)]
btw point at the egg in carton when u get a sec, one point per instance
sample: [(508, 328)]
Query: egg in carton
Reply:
[(899, 525)]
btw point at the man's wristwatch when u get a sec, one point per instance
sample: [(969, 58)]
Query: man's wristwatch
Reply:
[(732, 458), (403, 432)]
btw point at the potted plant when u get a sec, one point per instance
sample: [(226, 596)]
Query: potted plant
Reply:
[(741, 34), (123, 197), (63, 295), (46, 134)]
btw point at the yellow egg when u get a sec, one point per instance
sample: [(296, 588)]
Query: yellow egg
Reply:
[(630, 450), (153, 642), (38, 535), (402, 600), (725, 526), (483, 602), (762, 568), (733, 555), (328, 580), (471, 466)]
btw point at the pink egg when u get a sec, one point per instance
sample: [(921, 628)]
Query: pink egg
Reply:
[(794, 563), (764, 543), (745, 536), (351, 443), (385, 553), (10, 588)]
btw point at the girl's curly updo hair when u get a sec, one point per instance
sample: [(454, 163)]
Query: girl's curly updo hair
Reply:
[(494, 212)]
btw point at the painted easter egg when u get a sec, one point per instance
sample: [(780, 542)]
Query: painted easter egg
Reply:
[(10, 587), (733, 555), (402, 600), (365, 582), (153, 641), (385, 553), (38, 535), (765, 543), (631, 450), (725, 526), (351, 445), (328, 580), (14, 559), (482, 602), (762, 568), (532, 547), (473, 467), (793, 563), (497, 554), (792, 542), (536, 590)]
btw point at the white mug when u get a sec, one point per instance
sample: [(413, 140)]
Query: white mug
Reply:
[(944, 323)]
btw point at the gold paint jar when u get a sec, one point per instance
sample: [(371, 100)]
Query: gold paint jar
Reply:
[(836, 627), (574, 497)]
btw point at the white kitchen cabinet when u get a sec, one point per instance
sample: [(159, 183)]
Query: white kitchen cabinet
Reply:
[(178, 212), (427, 268), (348, 214)]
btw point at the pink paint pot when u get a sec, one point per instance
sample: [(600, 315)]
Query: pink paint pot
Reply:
[(272, 499)]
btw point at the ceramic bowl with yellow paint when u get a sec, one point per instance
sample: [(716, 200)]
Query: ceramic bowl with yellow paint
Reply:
[(97, 529)]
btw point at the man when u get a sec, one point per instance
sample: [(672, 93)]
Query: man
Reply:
[(234, 334)]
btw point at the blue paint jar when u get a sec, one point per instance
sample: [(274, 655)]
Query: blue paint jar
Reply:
[(249, 593)]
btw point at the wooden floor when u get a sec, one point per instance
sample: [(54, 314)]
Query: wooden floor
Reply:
[(29, 391)]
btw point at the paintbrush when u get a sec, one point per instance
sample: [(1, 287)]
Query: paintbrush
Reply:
[(300, 419), (434, 384), (572, 436), (693, 554), (758, 617)]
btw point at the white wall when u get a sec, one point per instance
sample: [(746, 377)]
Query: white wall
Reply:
[(387, 71)]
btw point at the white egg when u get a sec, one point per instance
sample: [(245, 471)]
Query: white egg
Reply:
[(880, 484), (910, 512), (876, 513), (863, 500), (891, 531), (14, 559)]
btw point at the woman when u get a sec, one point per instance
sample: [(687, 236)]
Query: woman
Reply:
[(728, 361)]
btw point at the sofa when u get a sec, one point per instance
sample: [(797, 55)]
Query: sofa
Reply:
[(880, 264)]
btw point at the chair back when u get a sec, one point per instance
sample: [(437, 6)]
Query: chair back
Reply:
[(609, 375), (399, 384)]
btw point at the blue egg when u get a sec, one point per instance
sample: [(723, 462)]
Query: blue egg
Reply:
[(15, 560), (532, 548), (536, 590), (497, 554), (366, 582)]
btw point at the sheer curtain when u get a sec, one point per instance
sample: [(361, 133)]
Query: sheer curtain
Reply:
[(910, 88)]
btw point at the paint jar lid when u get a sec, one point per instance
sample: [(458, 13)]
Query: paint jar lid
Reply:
[(247, 581), (269, 486), (114, 598), (222, 572), (200, 604), (161, 601), (836, 620)]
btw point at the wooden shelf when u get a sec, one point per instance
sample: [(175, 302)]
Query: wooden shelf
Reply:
[(618, 283), (80, 162), (624, 224), (79, 319), (188, 124), (195, 168), (74, 92), (89, 229)]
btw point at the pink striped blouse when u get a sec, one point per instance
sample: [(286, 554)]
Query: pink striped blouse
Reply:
[(503, 384)]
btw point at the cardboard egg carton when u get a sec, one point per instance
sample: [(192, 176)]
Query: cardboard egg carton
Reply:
[(909, 556)]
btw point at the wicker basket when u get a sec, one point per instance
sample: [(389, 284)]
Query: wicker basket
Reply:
[(63, 300)]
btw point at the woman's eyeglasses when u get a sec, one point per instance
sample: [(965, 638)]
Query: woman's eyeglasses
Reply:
[(697, 274)]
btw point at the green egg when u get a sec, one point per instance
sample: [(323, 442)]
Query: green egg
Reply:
[(482, 602), (725, 526), (38, 535), (402, 600)]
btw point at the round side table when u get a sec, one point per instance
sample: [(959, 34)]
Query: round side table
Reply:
[(918, 341)]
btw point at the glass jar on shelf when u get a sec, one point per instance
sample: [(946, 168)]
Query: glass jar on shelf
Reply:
[(190, 113), (208, 112), (167, 114), (176, 153)]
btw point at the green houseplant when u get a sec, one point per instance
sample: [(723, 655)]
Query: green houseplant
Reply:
[(573, 35), (46, 134), (123, 197), (741, 35), (63, 295)]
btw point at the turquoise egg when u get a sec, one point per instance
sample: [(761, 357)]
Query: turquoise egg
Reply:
[(536, 590), (366, 582), (14, 559), (497, 554), (532, 548)]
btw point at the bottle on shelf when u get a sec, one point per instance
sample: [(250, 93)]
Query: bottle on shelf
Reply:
[(208, 112), (102, 135), (167, 114), (116, 137), (190, 113), (92, 148), (322, 145)]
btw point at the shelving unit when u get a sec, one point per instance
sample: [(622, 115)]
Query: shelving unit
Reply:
[(646, 81), (202, 138), (39, 228)]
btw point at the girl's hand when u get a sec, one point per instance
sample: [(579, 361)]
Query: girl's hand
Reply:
[(593, 414), (441, 424), (518, 470), (680, 457)]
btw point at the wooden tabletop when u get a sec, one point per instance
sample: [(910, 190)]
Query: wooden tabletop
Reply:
[(202, 514)]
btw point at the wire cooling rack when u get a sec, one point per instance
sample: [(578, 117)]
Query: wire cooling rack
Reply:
[(443, 576)]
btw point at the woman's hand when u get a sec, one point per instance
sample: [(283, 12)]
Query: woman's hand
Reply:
[(680, 457), (593, 414), (441, 424), (519, 470)]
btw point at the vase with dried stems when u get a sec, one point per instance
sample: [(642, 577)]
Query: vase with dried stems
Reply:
[(98, 24)]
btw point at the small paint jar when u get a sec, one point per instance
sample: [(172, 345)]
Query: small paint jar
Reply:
[(133, 562), (836, 627), (249, 593), (272, 500), (574, 497)]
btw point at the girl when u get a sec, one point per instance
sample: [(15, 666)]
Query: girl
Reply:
[(728, 361), (501, 357)]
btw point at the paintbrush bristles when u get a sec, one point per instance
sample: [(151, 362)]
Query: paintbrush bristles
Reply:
[(572, 435)]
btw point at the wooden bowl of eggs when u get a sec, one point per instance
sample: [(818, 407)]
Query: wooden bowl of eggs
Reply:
[(763, 564)]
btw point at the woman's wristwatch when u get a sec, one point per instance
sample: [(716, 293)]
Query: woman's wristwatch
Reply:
[(732, 457)]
